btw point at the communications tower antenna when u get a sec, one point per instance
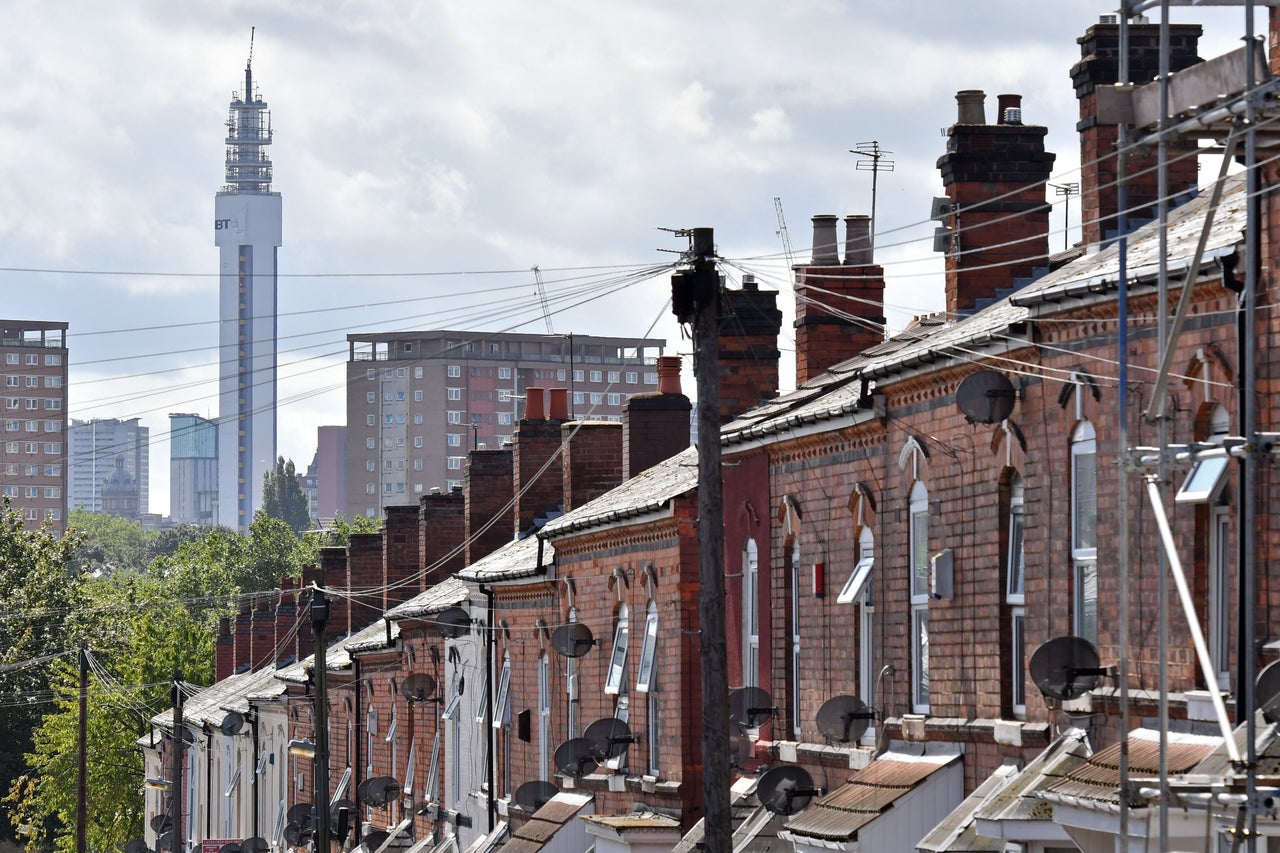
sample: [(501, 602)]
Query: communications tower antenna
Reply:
[(786, 239), (542, 297)]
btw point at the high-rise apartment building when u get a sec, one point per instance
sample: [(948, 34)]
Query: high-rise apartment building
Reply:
[(33, 454), (247, 231), (331, 472), (193, 469), (418, 401), (95, 446)]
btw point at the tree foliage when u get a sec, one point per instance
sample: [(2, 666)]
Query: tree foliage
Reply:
[(283, 498)]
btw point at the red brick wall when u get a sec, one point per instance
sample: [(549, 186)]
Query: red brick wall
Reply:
[(488, 489), (538, 486), (655, 427), (823, 338), (592, 463)]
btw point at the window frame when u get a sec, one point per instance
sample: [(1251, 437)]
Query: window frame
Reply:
[(1084, 527), (616, 675), (648, 650)]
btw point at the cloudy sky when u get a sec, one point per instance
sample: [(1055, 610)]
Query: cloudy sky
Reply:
[(430, 153)]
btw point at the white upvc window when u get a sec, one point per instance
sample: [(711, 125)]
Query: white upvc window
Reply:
[(918, 548), (795, 640), (866, 615), (648, 650), (617, 674), (1015, 596), (750, 614), (502, 696), (1084, 532), (1220, 606), (544, 717)]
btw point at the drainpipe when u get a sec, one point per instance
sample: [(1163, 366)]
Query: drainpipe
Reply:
[(488, 709), (208, 789), (356, 778), (257, 795)]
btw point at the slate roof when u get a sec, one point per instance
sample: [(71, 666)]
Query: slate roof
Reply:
[(869, 793), (438, 598), (648, 492), (210, 704), (515, 560)]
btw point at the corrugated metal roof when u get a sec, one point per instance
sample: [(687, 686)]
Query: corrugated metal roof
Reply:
[(635, 820), (1097, 780), (1017, 801), (438, 598), (869, 793), (649, 491)]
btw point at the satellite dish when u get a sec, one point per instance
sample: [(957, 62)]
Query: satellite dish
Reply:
[(749, 707), (231, 724), (986, 397), (161, 823), (609, 738), (844, 719), (453, 622), (381, 790), (373, 840), (786, 790), (575, 758), (299, 814), (1266, 692), (1065, 667), (254, 844), (230, 847), (572, 639), (418, 687), (293, 834), (164, 841), (137, 845), (532, 796)]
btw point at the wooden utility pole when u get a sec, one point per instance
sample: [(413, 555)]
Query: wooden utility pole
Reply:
[(696, 299), (82, 762), (175, 776), (319, 618)]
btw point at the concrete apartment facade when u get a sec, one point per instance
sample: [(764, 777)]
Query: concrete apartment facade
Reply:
[(95, 447), (417, 402), (33, 455)]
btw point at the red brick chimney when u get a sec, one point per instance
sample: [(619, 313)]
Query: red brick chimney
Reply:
[(839, 307), (592, 463), (400, 555), (995, 176), (225, 658), (364, 578), (244, 633), (749, 325), (286, 633), (1100, 66), (487, 490), (538, 481), (655, 426), (332, 570), (442, 520), (264, 633)]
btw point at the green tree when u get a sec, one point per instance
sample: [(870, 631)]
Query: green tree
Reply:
[(283, 498), (338, 532), (111, 543)]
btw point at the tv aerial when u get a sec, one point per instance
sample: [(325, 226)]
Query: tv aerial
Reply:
[(532, 796), (418, 687), (986, 397), (572, 639), (576, 758), (750, 707), (786, 790), (231, 724), (1066, 668), (844, 719), (1266, 692), (609, 738), (453, 622)]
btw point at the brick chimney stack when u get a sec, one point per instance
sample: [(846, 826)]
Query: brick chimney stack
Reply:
[(839, 307), (225, 659), (487, 491), (655, 426), (995, 176), (749, 325), (441, 519), (1099, 65), (400, 555), (364, 578), (538, 481)]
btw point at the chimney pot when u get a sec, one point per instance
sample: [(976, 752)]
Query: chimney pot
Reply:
[(559, 404), (749, 282), (971, 106), (669, 371), (825, 247), (1010, 107), (535, 404), (857, 241)]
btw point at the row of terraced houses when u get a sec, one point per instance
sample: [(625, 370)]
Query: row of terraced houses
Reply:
[(880, 543)]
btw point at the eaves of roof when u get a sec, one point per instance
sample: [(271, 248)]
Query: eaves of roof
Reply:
[(515, 560), (648, 492), (437, 599)]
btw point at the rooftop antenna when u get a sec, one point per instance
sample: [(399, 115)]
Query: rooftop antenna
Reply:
[(248, 70), (875, 165)]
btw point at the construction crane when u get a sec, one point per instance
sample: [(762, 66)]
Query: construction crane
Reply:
[(786, 239), (542, 297)]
